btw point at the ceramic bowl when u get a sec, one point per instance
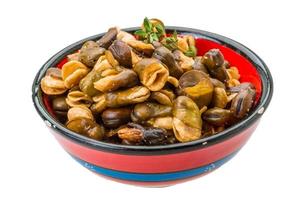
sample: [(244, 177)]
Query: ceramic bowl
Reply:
[(168, 164)]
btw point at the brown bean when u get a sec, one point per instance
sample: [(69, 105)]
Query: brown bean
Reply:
[(115, 117)]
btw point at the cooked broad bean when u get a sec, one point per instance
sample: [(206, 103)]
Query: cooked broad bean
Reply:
[(150, 87)]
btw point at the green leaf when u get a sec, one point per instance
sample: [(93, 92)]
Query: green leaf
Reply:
[(142, 34), (150, 39), (147, 25), (171, 46), (174, 35), (160, 29), (192, 52), (170, 43), (155, 37), (169, 40)]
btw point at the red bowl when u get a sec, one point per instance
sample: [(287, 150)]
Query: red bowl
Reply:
[(168, 164)]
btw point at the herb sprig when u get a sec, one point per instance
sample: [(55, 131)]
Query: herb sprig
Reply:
[(191, 52), (151, 32), (171, 41), (154, 30)]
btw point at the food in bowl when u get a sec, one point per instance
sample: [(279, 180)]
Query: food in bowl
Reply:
[(154, 165), (147, 88)]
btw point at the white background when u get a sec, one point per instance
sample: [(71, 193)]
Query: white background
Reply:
[(34, 166)]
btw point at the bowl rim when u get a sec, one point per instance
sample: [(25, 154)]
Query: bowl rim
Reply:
[(254, 116)]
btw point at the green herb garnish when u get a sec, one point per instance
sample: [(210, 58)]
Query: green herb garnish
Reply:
[(142, 34), (160, 30), (191, 52), (147, 25), (171, 42), (150, 33)]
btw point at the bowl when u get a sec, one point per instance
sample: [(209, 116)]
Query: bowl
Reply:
[(168, 164)]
